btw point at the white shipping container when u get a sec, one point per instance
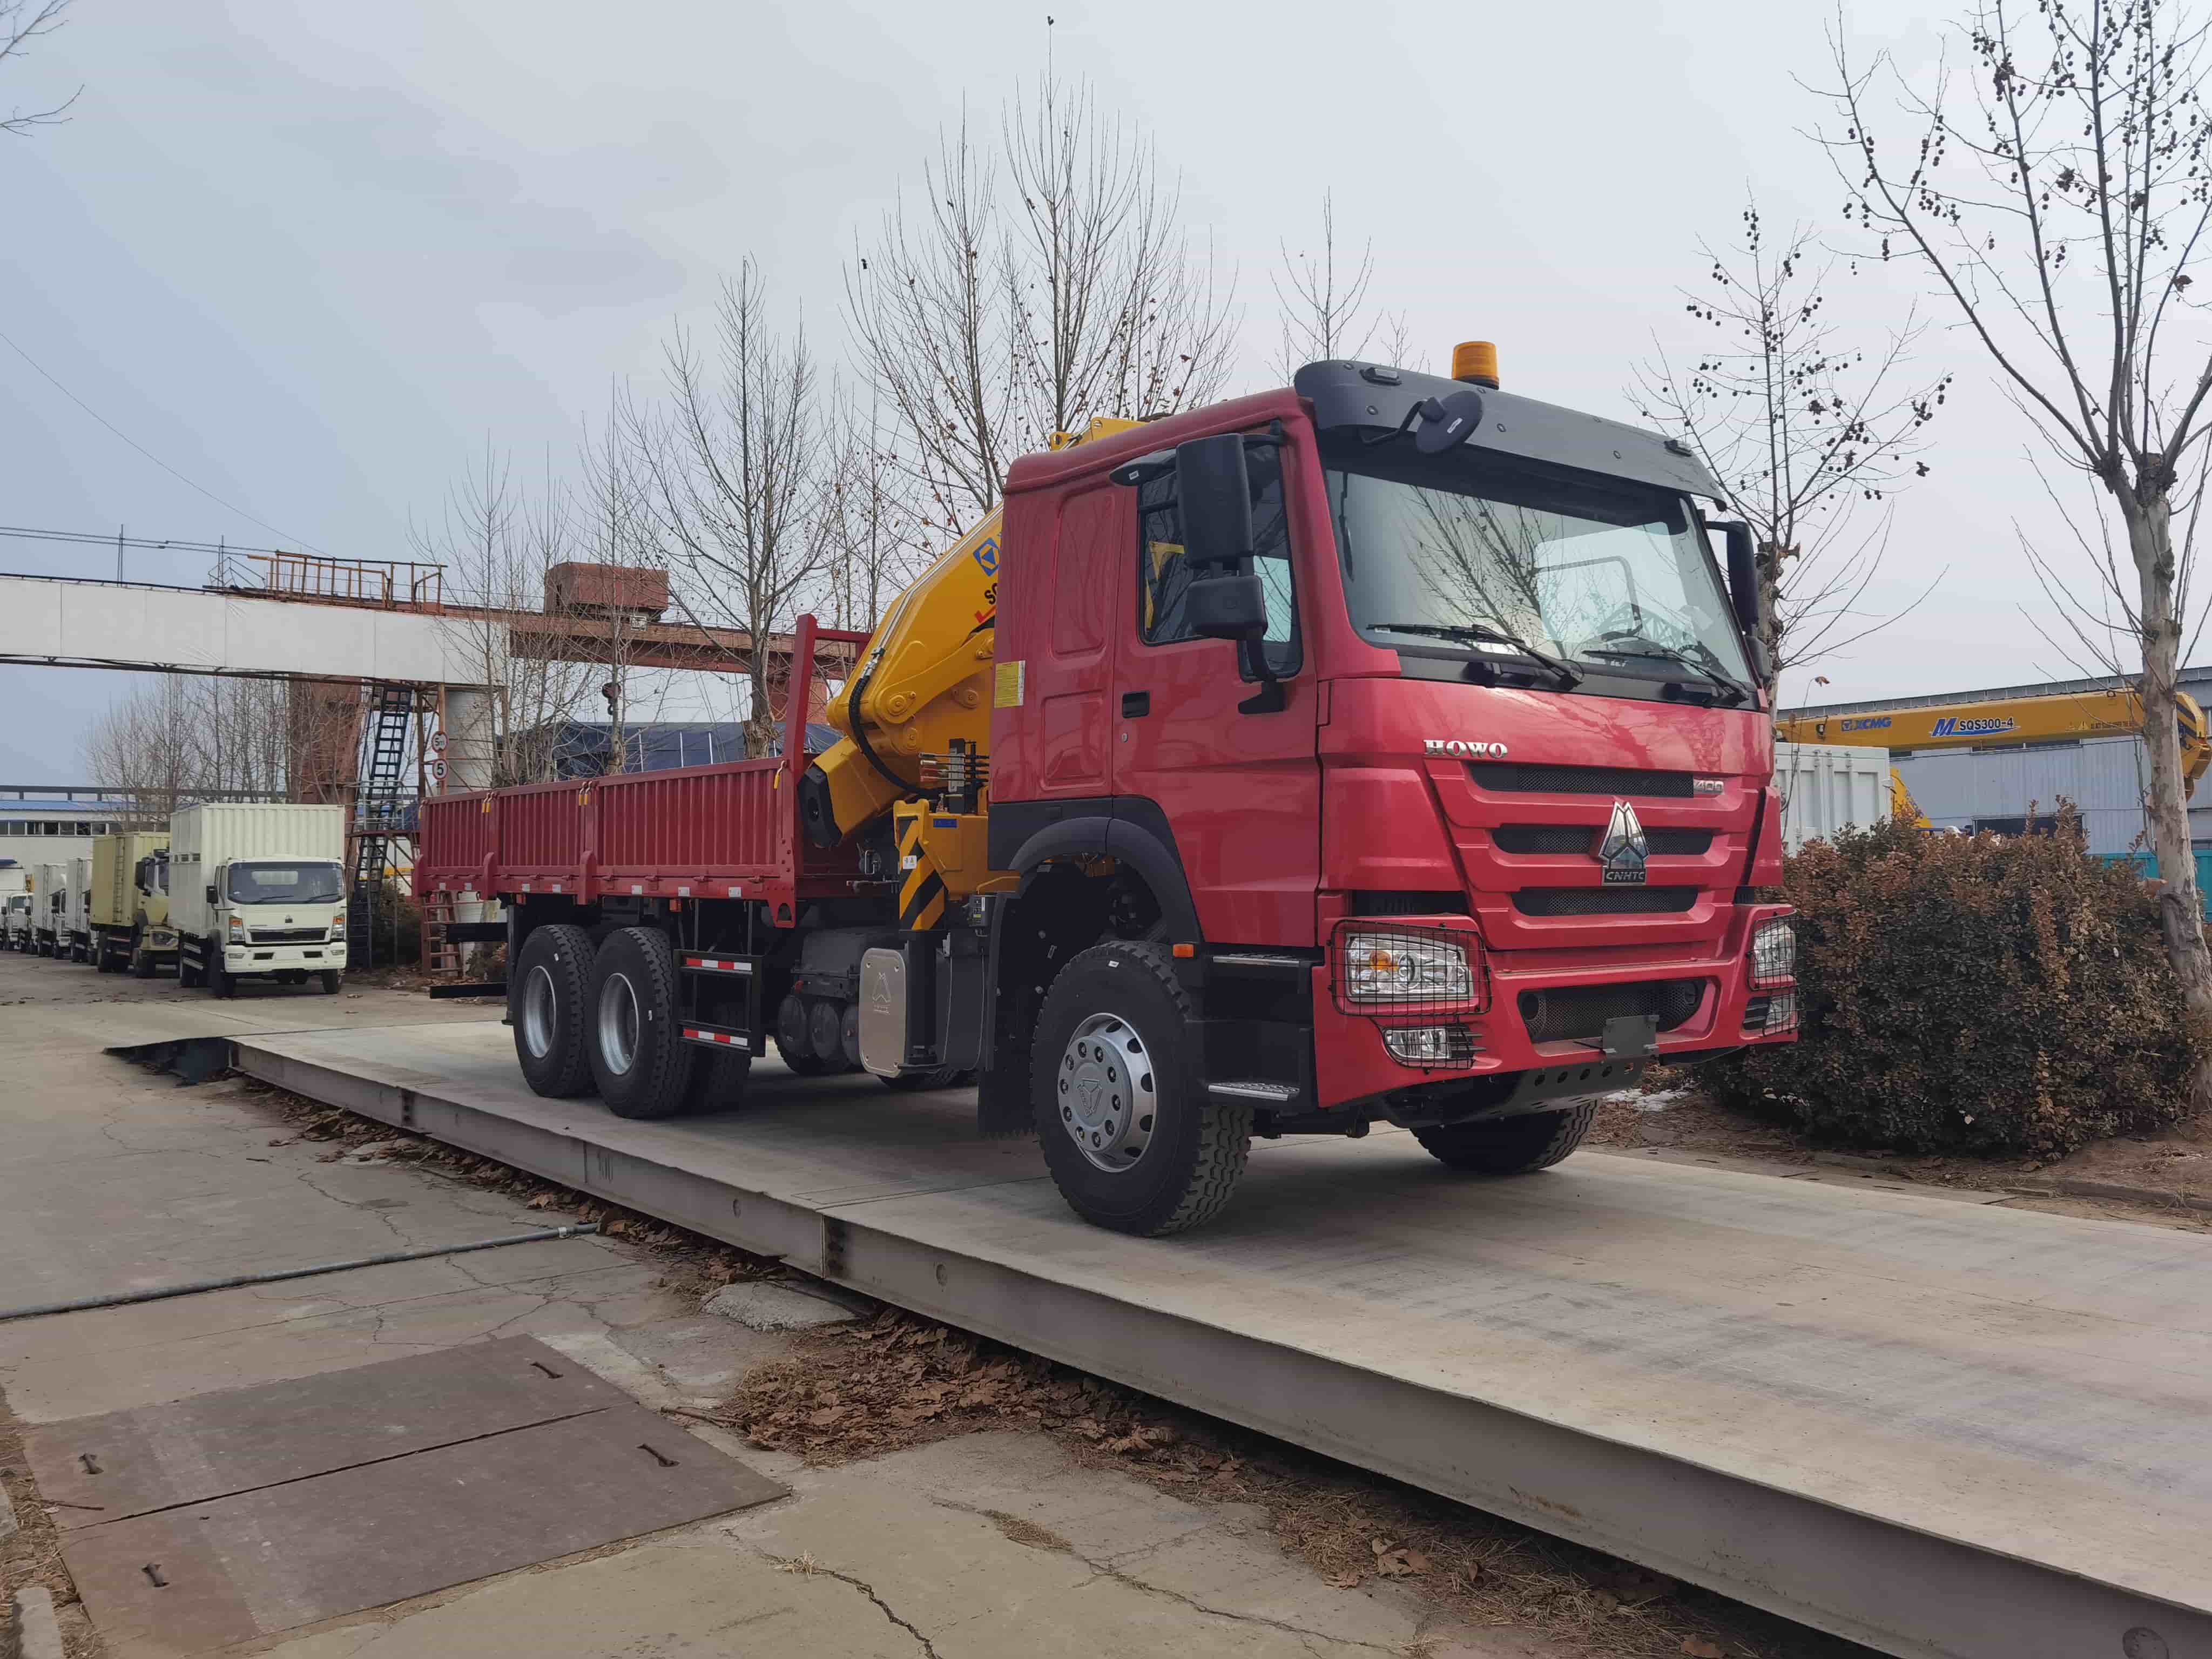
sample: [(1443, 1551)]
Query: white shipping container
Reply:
[(50, 884), (80, 897), (1826, 786)]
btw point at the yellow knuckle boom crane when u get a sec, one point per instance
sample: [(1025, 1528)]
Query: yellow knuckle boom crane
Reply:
[(916, 720)]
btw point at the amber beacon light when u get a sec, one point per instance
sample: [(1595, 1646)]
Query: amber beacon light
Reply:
[(1476, 363)]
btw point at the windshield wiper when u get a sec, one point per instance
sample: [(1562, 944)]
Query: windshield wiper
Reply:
[(1482, 632), (1654, 651)]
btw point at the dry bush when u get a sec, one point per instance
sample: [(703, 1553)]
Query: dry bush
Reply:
[(1974, 993)]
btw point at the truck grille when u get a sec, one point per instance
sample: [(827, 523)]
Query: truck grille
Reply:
[(1579, 1013), (1603, 900), (1515, 777), (290, 935), (1376, 902), (1583, 838)]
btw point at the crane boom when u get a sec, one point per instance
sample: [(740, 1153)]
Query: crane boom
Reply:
[(1997, 722)]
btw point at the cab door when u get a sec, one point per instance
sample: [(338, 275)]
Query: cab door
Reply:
[(1197, 754)]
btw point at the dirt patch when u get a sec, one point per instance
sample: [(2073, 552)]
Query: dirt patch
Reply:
[(2169, 1169), (33, 1555), (900, 1380)]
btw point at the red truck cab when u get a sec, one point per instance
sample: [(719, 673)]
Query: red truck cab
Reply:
[(1474, 830)]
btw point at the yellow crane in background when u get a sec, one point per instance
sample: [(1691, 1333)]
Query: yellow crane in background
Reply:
[(2023, 721)]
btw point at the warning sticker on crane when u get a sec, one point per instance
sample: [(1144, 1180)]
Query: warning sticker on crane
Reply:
[(1007, 693)]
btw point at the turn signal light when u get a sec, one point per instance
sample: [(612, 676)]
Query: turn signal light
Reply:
[(1476, 361)]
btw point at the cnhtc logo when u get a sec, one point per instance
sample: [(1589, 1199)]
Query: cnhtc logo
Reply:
[(1622, 852), (1464, 748)]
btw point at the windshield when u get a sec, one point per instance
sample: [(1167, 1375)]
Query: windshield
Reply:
[(1604, 573), (292, 883)]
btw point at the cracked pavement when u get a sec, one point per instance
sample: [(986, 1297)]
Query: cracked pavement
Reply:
[(994, 1544)]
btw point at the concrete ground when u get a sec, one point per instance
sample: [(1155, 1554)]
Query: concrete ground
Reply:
[(993, 1544)]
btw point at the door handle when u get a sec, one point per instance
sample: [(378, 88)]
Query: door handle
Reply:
[(1135, 704)]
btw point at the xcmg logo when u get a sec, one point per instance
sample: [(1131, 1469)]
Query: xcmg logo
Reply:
[(1464, 748), (1951, 726), (1881, 724), (985, 554)]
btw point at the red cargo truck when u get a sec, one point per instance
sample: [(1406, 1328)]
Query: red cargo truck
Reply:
[(1385, 748)]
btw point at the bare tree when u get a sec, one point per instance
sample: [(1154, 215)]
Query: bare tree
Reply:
[(2058, 211), (1324, 308), (22, 21), (1803, 426), (988, 327), (176, 737), (875, 532), (732, 481), (498, 548)]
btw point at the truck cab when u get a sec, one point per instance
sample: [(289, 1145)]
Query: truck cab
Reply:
[(277, 918), (15, 933), (1437, 774)]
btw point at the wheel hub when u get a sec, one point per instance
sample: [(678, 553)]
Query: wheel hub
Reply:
[(618, 1023), (1105, 1091), (537, 1013)]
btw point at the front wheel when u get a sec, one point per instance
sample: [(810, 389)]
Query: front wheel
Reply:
[(221, 981), (331, 979), (1510, 1145), (1132, 1140)]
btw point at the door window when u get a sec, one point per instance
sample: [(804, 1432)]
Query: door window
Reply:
[(1164, 574)]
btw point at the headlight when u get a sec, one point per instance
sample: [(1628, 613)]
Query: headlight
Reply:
[(1774, 952), (1403, 967), (238, 927), (336, 933)]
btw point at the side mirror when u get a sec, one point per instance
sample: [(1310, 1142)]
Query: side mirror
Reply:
[(1743, 591), (1215, 498), (1226, 607), (210, 893)]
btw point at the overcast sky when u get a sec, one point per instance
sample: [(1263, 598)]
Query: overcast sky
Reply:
[(312, 258)]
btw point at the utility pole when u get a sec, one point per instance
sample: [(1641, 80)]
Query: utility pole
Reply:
[(118, 552)]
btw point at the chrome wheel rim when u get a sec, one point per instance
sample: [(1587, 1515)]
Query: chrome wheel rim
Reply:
[(1106, 1097), (537, 1013), (618, 1023)]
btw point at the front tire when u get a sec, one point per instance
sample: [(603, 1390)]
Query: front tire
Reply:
[(1132, 1141), (1510, 1145), (331, 979), (545, 1002), (642, 1063), (221, 981)]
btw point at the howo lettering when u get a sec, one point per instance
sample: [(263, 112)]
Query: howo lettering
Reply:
[(1141, 820)]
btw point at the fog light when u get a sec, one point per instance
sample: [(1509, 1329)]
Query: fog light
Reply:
[(1781, 1013), (1431, 1045)]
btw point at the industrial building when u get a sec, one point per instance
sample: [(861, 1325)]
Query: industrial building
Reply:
[(1997, 785), (46, 824)]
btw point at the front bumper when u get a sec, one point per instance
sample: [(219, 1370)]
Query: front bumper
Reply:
[(1352, 1064), (252, 958)]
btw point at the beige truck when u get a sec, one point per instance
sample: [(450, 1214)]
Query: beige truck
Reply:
[(130, 903)]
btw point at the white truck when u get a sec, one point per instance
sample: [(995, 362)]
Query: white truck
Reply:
[(50, 910), (258, 892), (77, 910), (14, 905)]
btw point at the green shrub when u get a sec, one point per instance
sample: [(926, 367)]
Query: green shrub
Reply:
[(1974, 994)]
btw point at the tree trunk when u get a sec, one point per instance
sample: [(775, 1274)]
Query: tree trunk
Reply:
[(2181, 913)]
